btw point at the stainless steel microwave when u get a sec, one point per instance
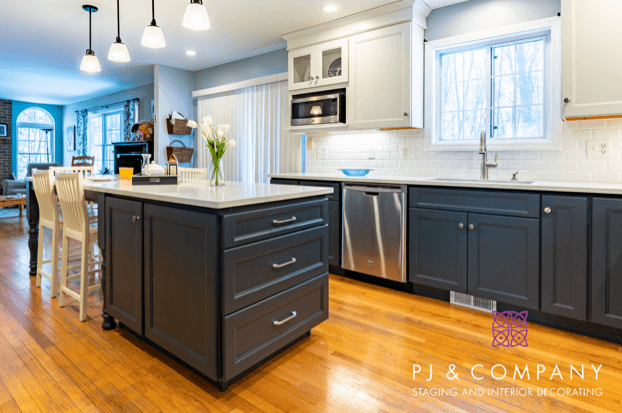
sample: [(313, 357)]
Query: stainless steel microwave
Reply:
[(319, 108)]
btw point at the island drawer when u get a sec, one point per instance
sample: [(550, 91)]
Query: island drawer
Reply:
[(256, 271), (254, 333), (512, 203), (268, 222)]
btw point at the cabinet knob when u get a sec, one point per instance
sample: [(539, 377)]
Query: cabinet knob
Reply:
[(471, 226), (461, 225), (405, 113), (135, 218), (317, 78), (567, 100), (547, 210)]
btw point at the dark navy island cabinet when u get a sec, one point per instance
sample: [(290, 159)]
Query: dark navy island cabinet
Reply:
[(564, 256), (607, 262)]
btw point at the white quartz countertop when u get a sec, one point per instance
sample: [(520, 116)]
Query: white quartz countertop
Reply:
[(233, 194), (582, 187)]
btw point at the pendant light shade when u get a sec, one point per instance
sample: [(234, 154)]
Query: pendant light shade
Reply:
[(153, 36), (196, 17), (118, 51), (89, 63)]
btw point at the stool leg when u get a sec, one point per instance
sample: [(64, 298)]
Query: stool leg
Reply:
[(63, 271), (54, 268), (84, 278), (40, 255)]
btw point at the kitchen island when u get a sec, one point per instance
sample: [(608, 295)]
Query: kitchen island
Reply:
[(221, 279)]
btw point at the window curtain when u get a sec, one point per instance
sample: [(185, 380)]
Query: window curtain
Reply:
[(82, 135), (257, 116), (130, 117)]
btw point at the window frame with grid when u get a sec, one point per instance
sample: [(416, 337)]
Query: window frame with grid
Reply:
[(104, 153), (39, 127), (549, 32)]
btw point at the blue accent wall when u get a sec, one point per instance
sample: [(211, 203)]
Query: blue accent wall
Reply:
[(258, 66), (57, 114)]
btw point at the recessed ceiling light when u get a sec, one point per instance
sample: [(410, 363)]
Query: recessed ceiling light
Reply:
[(331, 8), (191, 52)]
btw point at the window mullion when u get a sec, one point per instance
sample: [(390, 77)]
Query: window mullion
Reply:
[(488, 124)]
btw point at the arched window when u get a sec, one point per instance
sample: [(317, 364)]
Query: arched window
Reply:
[(35, 137)]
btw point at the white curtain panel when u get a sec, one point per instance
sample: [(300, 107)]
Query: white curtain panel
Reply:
[(257, 116)]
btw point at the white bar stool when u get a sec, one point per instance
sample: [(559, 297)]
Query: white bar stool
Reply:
[(77, 226), (187, 175)]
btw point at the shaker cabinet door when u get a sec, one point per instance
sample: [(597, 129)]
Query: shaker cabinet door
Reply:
[(504, 259), (564, 256), (590, 31), (607, 262), (438, 249), (124, 262)]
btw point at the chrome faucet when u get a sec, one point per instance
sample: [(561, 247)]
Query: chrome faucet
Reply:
[(482, 150)]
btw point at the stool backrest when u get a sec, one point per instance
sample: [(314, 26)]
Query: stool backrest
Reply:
[(44, 190), (192, 174), (82, 170), (82, 161), (72, 202)]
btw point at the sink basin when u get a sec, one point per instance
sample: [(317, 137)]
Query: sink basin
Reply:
[(480, 181)]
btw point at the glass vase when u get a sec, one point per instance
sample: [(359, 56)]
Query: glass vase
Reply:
[(217, 177)]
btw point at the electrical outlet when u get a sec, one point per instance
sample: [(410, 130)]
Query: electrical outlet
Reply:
[(408, 152), (321, 153), (371, 154), (309, 143), (599, 149)]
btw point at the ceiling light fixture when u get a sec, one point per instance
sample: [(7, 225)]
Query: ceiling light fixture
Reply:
[(331, 8), (90, 64), (153, 36), (196, 17), (118, 51)]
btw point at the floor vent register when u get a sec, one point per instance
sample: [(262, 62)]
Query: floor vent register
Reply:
[(478, 303)]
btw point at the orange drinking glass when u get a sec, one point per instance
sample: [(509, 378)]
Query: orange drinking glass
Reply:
[(126, 173)]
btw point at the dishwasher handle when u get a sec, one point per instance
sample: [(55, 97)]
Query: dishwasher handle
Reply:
[(373, 190)]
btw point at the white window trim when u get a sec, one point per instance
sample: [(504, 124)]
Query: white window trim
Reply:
[(553, 123)]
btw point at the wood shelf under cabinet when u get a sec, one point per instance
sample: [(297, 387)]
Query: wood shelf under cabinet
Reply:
[(578, 118)]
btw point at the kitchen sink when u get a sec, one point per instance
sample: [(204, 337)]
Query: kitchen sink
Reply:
[(480, 181)]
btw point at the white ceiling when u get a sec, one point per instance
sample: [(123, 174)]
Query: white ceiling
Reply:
[(43, 41)]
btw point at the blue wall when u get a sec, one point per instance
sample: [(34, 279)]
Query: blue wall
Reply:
[(57, 113), (250, 68)]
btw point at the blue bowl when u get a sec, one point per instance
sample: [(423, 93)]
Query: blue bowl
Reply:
[(356, 172)]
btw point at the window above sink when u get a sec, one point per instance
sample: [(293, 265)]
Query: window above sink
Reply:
[(505, 81)]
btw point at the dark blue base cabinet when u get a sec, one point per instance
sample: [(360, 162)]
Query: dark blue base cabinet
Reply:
[(222, 291)]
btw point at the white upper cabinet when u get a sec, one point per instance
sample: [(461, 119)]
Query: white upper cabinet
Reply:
[(592, 62), (321, 65), (386, 78)]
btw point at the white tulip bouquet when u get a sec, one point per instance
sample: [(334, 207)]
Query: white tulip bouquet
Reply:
[(217, 143)]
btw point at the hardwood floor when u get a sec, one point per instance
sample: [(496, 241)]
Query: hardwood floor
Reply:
[(360, 360)]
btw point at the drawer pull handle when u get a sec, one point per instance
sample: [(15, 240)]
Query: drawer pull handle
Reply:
[(291, 317), (283, 221), (285, 264)]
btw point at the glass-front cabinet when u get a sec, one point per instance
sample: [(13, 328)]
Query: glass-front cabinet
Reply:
[(320, 65)]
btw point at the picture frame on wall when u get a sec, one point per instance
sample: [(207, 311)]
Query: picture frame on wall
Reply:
[(70, 138), (4, 130)]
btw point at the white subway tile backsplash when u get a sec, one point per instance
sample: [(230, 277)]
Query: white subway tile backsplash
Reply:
[(391, 158)]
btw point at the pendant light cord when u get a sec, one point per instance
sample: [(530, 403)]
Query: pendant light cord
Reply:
[(118, 24), (90, 45), (153, 22)]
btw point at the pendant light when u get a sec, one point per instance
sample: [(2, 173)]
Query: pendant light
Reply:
[(153, 36), (118, 51), (196, 17), (90, 64)]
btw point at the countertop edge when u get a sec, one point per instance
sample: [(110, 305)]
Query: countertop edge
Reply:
[(542, 186)]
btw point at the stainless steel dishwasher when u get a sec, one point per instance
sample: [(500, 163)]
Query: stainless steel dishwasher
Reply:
[(374, 231)]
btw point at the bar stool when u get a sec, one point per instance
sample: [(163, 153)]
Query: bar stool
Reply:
[(76, 226), (187, 175), (49, 217)]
